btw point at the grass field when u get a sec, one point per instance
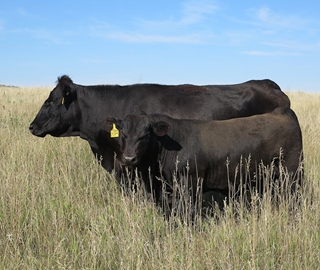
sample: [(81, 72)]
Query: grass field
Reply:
[(60, 210)]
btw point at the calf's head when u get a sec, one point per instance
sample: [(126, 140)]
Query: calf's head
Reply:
[(137, 132), (57, 115)]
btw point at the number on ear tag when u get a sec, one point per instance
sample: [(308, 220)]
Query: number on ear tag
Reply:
[(114, 133)]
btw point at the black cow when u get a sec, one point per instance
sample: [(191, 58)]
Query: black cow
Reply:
[(156, 141), (76, 110)]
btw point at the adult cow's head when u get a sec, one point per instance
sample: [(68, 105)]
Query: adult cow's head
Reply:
[(137, 132), (58, 114)]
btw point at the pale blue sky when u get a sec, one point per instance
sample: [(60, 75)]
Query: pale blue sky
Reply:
[(169, 42)]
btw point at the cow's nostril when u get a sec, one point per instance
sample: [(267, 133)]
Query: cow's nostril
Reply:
[(129, 158)]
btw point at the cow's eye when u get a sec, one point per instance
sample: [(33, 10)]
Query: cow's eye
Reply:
[(49, 103)]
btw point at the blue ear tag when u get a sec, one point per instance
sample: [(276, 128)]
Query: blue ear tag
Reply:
[(114, 133)]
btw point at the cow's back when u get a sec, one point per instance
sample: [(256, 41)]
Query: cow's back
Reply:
[(256, 96), (198, 102)]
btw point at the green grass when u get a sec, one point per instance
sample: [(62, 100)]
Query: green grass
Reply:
[(60, 210)]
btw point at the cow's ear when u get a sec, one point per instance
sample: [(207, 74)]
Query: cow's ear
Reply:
[(69, 95), (110, 121), (161, 128)]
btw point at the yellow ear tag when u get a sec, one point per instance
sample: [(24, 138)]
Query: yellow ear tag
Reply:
[(62, 101), (114, 133)]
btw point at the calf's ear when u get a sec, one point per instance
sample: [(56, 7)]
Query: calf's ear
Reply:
[(161, 128)]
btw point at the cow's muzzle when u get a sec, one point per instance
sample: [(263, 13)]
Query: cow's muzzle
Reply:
[(31, 128), (129, 160)]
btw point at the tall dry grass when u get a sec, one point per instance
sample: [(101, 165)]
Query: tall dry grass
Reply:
[(60, 210)]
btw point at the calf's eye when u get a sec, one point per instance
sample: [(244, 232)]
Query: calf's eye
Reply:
[(145, 137)]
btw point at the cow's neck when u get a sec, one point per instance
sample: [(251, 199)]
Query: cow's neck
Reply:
[(92, 110), (94, 107)]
